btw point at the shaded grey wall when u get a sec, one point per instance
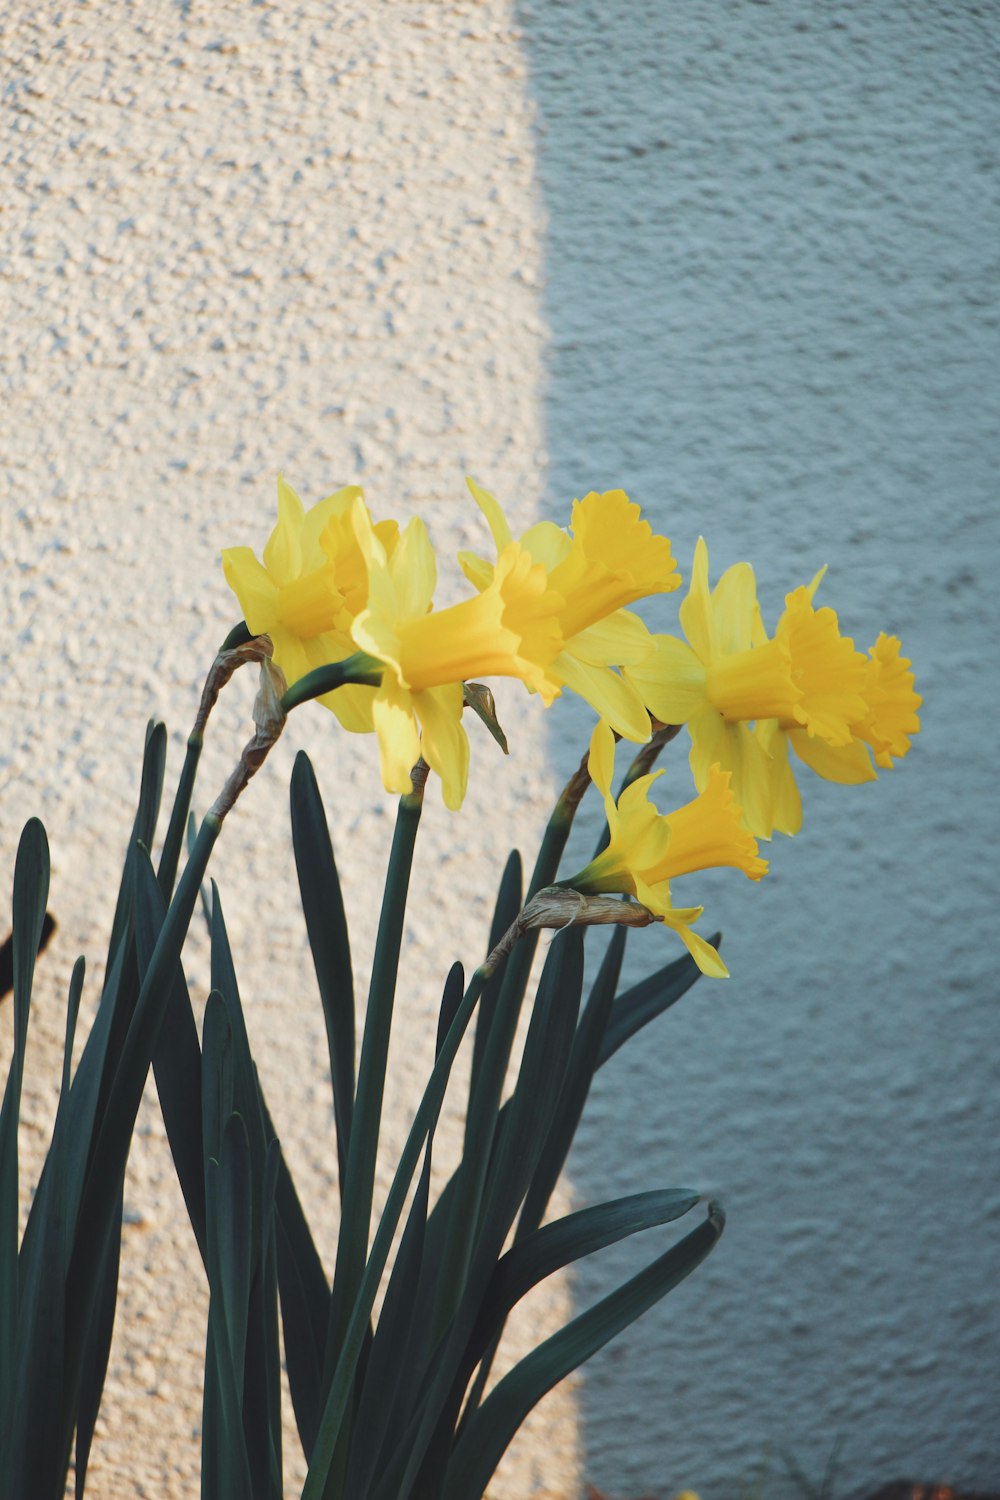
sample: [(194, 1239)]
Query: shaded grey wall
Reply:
[(772, 272)]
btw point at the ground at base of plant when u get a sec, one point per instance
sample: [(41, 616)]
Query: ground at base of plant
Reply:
[(900, 1489)]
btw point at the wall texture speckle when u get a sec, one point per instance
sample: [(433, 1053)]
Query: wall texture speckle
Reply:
[(773, 251)]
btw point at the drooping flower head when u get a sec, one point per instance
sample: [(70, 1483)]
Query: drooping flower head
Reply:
[(608, 559), (508, 630), (308, 589), (849, 702), (725, 675), (748, 699), (647, 849)]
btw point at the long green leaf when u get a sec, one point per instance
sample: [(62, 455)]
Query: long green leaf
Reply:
[(261, 1377), (388, 1363), (425, 1120), (99, 1200), (560, 1243), (326, 924), (359, 1178), (569, 1108), (491, 1428), (305, 1304), (508, 904), (484, 1099), (648, 999), (544, 1060), (424, 1448), (170, 855), (233, 1227), (154, 761), (98, 1346), (391, 1367), (576, 1084), (33, 1463), (262, 1383), (227, 1192), (31, 892), (246, 1090), (176, 1056)]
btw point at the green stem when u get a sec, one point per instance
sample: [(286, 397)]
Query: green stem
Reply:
[(484, 1106), (358, 668), (359, 1178), (342, 1380), (171, 852)]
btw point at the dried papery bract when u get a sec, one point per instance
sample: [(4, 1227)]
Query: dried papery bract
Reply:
[(554, 906), (269, 717), (226, 663)]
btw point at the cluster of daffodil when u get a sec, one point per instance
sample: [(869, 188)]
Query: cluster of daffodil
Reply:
[(552, 610)]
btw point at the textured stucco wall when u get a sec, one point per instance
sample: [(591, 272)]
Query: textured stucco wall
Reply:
[(243, 237), (771, 287)]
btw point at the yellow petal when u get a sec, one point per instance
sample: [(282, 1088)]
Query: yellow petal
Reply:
[(333, 507), (696, 610), (672, 682), (444, 743), (705, 956), (734, 748), (657, 899), (848, 764), (547, 543), (398, 736), (353, 706), (290, 653), (610, 695), (491, 509), (283, 551), (734, 609), (641, 829), (601, 759), (477, 571), (785, 803), (253, 587), (413, 570), (620, 639), (374, 631)]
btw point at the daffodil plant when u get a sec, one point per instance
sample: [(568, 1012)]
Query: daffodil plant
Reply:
[(340, 610)]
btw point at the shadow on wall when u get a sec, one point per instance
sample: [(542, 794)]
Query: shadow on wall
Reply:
[(772, 248)]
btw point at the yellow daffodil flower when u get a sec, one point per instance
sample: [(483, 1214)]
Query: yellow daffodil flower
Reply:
[(726, 674), (508, 630), (647, 849), (611, 559), (308, 589), (747, 699), (849, 702)]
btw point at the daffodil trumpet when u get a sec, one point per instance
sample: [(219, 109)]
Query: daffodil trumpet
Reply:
[(645, 849)]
